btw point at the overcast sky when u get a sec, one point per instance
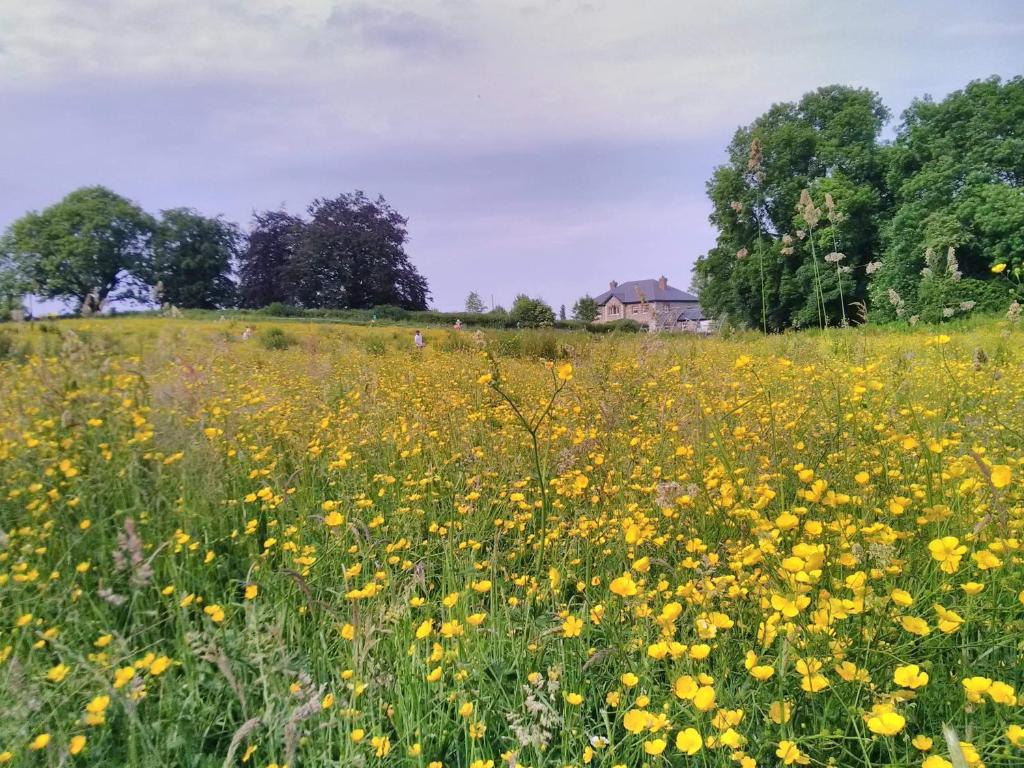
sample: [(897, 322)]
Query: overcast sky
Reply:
[(543, 147)]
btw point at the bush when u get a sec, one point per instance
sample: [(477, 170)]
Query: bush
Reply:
[(531, 313), (277, 309), (275, 338), (936, 296), (626, 326), (374, 345)]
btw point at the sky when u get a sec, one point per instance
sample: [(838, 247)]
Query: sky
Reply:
[(543, 147)]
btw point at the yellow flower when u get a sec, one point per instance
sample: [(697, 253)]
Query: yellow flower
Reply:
[(76, 745), (636, 720), (1015, 735), (572, 627), (935, 761), (424, 629), (886, 723), (466, 710), (689, 741), (159, 666), (623, 586), (123, 676), (922, 742), (57, 673), (779, 712), (949, 621), (948, 552), (975, 686), (381, 745), (357, 735), (565, 372), (334, 519), (704, 698), (998, 268), (39, 742), (348, 631), (789, 753), (1001, 693), (915, 625), (910, 676), (251, 590), (215, 612), (685, 687), (654, 746), (1001, 475), (485, 379), (574, 699)]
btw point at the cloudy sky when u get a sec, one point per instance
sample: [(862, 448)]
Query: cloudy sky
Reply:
[(543, 147)]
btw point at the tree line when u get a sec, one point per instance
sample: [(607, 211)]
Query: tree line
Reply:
[(821, 222), (95, 246)]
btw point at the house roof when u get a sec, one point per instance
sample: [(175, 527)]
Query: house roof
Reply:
[(637, 291), (691, 314)]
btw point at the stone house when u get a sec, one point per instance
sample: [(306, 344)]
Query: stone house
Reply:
[(653, 303)]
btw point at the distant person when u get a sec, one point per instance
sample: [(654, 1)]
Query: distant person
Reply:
[(418, 340), (247, 333), (458, 324)]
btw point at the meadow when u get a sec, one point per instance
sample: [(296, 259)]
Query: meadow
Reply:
[(322, 547)]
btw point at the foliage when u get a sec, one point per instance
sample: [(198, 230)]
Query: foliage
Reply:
[(13, 282), (352, 254), (956, 172), (192, 258), (90, 243), (474, 303), (349, 254), (782, 550), (585, 309), (263, 263), (531, 313), (827, 143), (275, 338)]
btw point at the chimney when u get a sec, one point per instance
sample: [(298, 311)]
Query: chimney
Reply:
[(662, 283), (612, 285)]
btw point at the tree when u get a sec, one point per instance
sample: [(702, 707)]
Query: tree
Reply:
[(585, 309), (531, 313), (561, 313), (192, 259), (351, 254), (264, 264), (474, 303), (760, 272), (13, 283), (89, 244), (956, 170)]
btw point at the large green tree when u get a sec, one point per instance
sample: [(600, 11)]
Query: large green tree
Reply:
[(192, 258), (351, 254), (768, 267), (585, 309), (265, 261), (957, 174), (92, 242)]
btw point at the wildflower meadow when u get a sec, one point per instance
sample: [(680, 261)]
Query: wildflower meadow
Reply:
[(323, 546)]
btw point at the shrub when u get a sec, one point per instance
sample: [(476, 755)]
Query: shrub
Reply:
[(374, 345), (275, 338), (277, 309)]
